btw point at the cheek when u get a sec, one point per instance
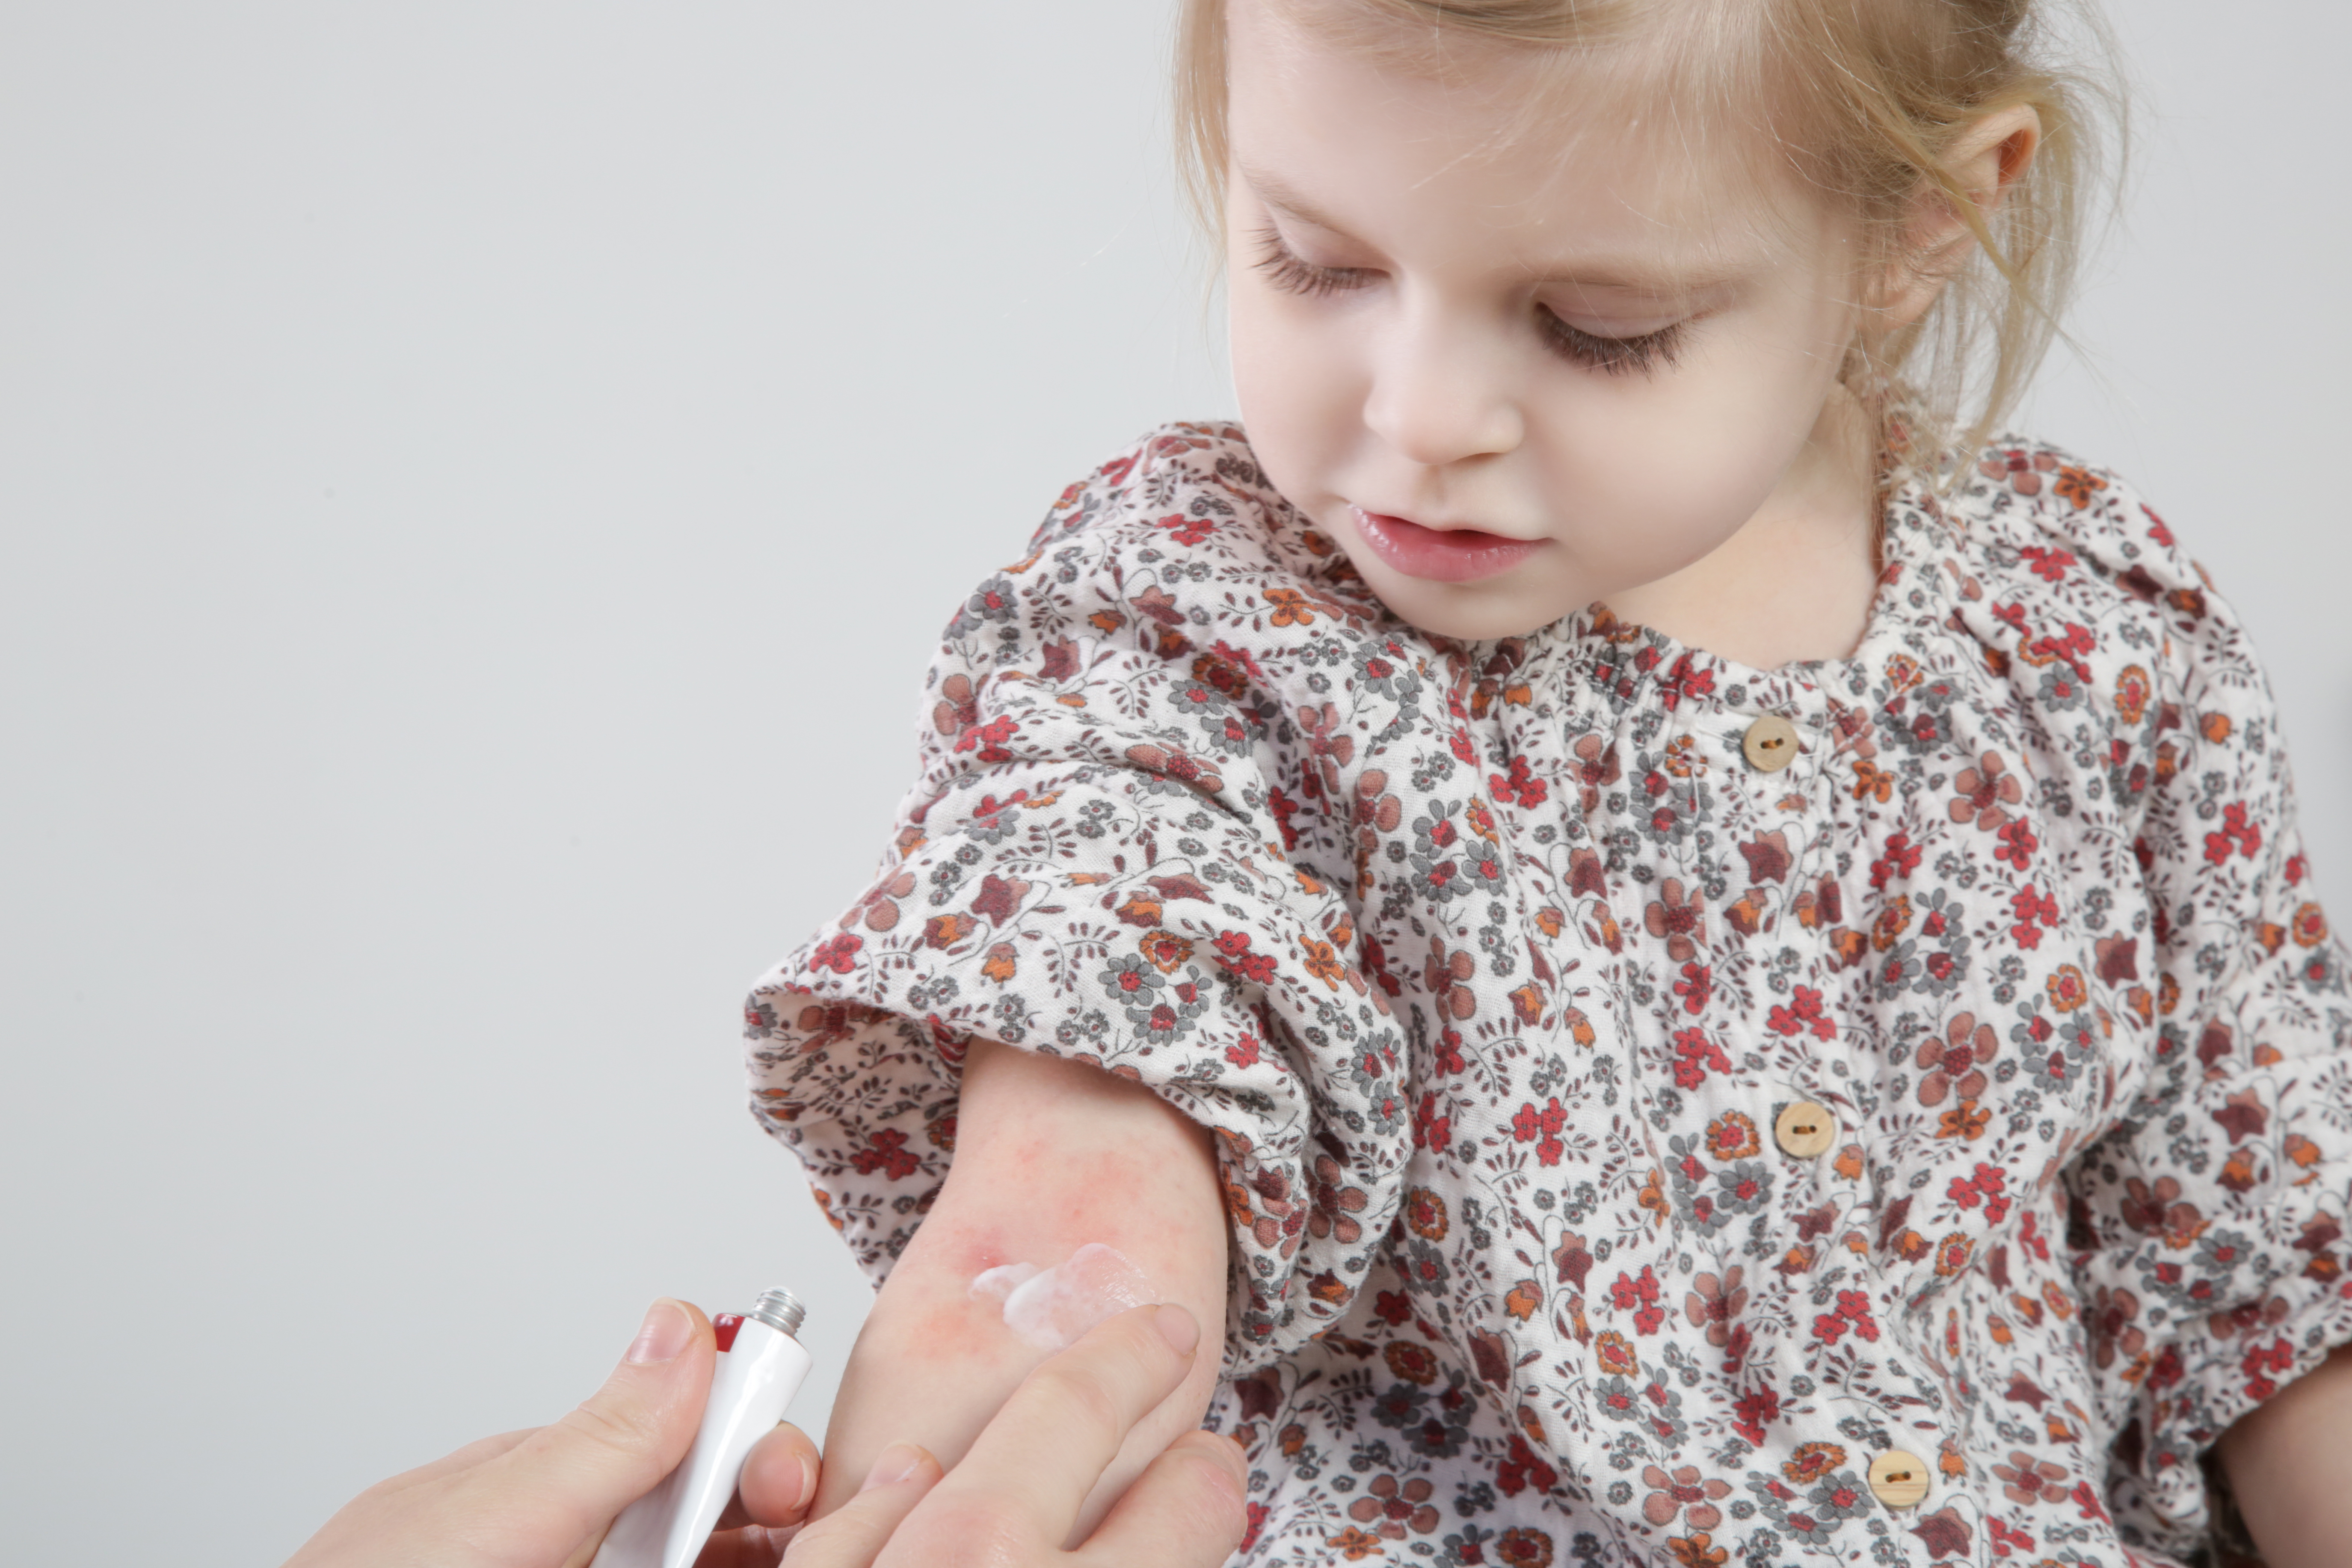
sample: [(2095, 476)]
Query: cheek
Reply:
[(1301, 398), (1689, 461)]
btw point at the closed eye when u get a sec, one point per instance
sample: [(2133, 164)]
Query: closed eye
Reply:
[(1639, 355), (1288, 272)]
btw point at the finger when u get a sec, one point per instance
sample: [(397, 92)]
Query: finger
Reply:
[(755, 1546), (778, 1483), (465, 1458), (1188, 1508), (853, 1534), (1047, 1447), (566, 1481)]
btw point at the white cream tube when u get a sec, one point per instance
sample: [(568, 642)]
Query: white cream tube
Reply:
[(760, 1366)]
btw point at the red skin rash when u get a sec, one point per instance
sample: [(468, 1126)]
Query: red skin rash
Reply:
[(1049, 1157)]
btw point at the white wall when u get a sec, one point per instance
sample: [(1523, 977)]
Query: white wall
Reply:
[(477, 483)]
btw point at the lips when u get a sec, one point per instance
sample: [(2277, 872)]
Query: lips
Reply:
[(1441, 554)]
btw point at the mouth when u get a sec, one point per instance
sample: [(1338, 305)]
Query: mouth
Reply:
[(1441, 554)]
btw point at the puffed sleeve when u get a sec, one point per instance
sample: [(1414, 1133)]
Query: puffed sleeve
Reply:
[(2208, 1225), (1092, 866)]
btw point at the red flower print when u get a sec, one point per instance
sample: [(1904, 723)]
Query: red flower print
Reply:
[(2029, 907), (2236, 832), (1902, 858), (1755, 1410), (1696, 984), (1686, 679), (1803, 1015), (1529, 1124), (1187, 531), (2017, 845), (838, 953), (886, 1152), (1518, 785), (1431, 1131), (989, 737), (1520, 1470), (1695, 1057), (1986, 1187)]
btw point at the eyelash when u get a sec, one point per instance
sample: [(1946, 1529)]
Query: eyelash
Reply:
[(1610, 356)]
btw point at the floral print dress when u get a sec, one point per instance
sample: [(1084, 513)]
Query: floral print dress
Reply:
[(1637, 1154)]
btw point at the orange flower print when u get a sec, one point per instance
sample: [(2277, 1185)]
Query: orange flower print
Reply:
[(2078, 486), (1811, 1462), (1523, 1549), (2133, 689), (1353, 1544), (1732, 1136), (1166, 950), (1425, 1212), (1615, 1354), (1871, 783), (1697, 1551), (2066, 988), (1952, 1254), (1289, 607), (1892, 923), (1964, 1121), (1414, 1362), (2310, 926)]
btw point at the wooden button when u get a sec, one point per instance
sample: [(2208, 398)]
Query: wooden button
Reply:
[(1899, 1479), (1771, 743), (1805, 1130)]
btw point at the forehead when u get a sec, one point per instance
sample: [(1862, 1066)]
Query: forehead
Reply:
[(1633, 145)]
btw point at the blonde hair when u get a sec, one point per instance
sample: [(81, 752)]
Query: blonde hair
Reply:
[(1868, 99)]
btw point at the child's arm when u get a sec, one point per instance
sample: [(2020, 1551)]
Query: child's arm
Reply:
[(1050, 1156), (2290, 1463)]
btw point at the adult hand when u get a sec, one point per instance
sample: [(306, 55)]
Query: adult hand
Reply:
[(1015, 1499), (544, 1499)]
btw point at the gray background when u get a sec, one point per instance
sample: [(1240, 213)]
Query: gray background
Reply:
[(478, 485)]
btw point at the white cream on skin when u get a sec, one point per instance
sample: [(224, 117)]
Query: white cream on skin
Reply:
[(1053, 1307)]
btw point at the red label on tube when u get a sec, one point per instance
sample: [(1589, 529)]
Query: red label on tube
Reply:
[(724, 1325)]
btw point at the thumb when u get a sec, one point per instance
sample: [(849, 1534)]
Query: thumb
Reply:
[(574, 1477)]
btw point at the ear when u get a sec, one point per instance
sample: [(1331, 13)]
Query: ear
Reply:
[(1983, 163)]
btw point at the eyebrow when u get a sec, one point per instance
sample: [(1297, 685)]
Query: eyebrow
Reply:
[(1601, 272)]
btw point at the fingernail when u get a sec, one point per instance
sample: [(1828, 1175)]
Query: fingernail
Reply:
[(663, 1333), (804, 1489), (898, 1462), (1178, 1328)]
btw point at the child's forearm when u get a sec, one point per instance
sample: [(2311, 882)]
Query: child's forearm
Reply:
[(1049, 1156), (2290, 1463)]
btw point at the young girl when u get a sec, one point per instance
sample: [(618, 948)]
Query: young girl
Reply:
[(1710, 967)]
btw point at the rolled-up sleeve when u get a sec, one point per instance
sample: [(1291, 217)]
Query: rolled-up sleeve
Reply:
[(2209, 1225), (1090, 866)]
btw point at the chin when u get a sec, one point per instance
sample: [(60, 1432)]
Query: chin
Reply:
[(1467, 612)]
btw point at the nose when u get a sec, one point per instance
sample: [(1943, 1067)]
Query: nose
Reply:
[(1439, 394)]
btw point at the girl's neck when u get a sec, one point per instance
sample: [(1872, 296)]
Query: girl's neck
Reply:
[(1796, 581)]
